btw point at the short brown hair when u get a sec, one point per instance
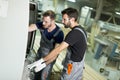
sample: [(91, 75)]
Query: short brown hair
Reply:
[(49, 13), (71, 12)]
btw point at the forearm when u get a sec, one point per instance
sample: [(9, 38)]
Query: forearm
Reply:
[(54, 53), (40, 64), (51, 60)]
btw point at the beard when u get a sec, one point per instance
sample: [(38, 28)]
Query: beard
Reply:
[(46, 27), (67, 25)]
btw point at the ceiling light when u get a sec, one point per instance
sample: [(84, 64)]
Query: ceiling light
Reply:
[(117, 13), (88, 7), (72, 0)]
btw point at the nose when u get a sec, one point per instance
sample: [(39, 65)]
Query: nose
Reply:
[(43, 23), (62, 21)]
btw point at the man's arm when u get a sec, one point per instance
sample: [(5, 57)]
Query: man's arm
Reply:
[(52, 55), (51, 60), (43, 62), (32, 27)]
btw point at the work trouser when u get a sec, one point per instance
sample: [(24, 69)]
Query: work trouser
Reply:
[(76, 71), (45, 73)]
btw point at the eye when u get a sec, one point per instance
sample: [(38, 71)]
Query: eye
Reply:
[(46, 22)]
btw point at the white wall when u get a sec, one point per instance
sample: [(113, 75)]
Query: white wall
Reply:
[(13, 38)]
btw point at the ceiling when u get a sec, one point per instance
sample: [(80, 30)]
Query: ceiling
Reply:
[(111, 6)]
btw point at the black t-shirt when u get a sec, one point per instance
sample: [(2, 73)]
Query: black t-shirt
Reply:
[(77, 43)]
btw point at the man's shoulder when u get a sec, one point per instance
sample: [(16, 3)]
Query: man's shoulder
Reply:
[(80, 28), (58, 29), (39, 23)]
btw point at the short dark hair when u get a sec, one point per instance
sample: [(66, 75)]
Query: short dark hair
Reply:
[(49, 13), (71, 12)]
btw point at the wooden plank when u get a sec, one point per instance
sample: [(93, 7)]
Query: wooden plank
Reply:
[(91, 74)]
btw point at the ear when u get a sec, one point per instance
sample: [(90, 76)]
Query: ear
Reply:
[(72, 19)]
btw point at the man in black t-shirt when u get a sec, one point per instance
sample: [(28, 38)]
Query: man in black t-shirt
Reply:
[(75, 42)]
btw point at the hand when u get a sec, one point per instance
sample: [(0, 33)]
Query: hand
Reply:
[(35, 64)]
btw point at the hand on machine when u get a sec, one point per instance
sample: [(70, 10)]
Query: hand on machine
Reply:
[(37, 65)]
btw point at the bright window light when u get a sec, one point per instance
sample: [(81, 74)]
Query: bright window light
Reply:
[(88, 7), (117, 13), (72, 0)]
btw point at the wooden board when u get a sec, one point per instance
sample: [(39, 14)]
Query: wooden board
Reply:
[(91, 74)]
